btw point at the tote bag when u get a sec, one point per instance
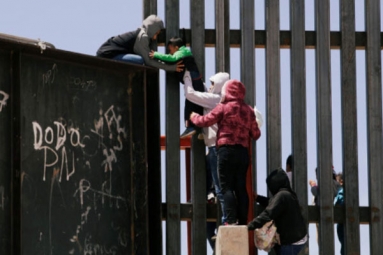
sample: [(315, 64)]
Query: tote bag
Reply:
[(266, 237)]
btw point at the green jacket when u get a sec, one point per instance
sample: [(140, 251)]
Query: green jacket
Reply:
[(178, 55)]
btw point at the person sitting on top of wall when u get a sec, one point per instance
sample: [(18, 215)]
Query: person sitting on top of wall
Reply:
[(135, 46)]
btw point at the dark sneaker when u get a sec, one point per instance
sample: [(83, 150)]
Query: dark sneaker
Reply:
[(210, 198), (189, 131)]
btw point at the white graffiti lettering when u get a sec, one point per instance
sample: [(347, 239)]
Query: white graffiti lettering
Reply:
[(112, 119), (49, 76), (77, 83), (51, 143), (97, 249), (109, 159), (3, 99), (85, 186)]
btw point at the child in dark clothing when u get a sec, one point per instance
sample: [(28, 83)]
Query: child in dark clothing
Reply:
[(177, 52), (339, 200)]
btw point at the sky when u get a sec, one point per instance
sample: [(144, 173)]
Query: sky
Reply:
[(82, 26)]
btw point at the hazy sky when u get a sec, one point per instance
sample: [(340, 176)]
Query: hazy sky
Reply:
[(82, 26)]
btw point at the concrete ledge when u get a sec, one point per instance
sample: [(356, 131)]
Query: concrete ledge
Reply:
[(232, 240)]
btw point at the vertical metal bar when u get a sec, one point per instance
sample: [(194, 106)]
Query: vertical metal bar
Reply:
[(248, 78), (273, 86), (154, 148), (222, 40), (197, 23), (198, 196), (374, 122), (298, 102), (349, 127), (154, 161), (188, 193), (324, 127), (173, 224), (149, 7), (222, 49), (247, 49)]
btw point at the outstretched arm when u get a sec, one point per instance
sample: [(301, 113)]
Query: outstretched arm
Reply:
[(177, 56), (273, 210), (204, 99), (141, 48), (209, 119)]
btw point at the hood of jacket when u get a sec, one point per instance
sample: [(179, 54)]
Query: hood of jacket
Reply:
[(152, 24), (219, 80), (278, 180), (233, 90)]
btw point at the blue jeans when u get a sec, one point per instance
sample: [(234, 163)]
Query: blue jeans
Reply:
[(210, 232), (130, 58), (212, 166), (291, 249), (212, 178), (233, 161)]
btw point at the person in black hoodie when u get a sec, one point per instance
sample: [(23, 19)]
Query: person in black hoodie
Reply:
[(135, 46), (285, 211)]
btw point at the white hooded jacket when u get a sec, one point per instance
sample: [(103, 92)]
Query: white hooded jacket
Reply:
[(208, 100)]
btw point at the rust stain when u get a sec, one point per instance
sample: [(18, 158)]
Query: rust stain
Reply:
[(350, 209), (56, 172), (22, 177)]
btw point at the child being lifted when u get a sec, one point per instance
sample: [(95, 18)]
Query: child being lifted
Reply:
[(177, 52)]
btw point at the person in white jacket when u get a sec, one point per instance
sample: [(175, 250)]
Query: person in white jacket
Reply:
[(209, 100)]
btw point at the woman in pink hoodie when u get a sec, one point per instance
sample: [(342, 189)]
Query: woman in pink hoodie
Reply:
[(236, 126)]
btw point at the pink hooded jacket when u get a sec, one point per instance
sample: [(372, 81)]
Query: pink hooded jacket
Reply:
[(235, 119)]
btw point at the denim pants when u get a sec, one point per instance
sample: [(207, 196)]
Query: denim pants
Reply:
[(340, 232), (290, 249), (233, 161), (130, 58), (213, 171), (210, 232)]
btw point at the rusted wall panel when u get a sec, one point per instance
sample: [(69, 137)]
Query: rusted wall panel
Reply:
[(79, 153), (5, 152)]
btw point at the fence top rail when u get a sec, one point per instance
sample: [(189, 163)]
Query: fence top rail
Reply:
[(30, 46), (19, 39), (260, 38)]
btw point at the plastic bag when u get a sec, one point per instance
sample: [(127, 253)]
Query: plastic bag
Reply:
[(258, 117), (266, 237)]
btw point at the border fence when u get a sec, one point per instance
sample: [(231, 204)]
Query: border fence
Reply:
[(297, 39), (66, 119)]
